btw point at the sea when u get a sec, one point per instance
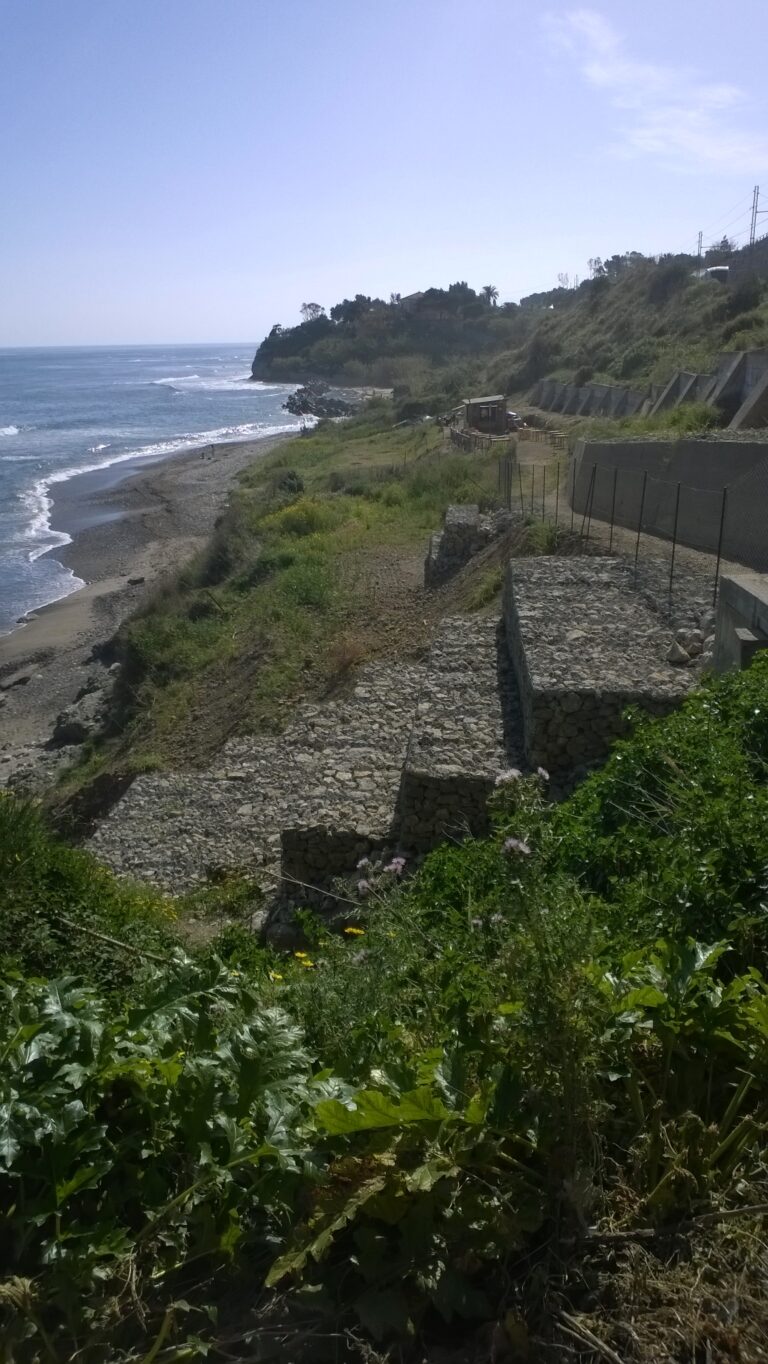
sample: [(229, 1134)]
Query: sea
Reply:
[(69, 411)]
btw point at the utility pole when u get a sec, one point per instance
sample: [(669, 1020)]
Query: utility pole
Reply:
[(753, 224), (701, 239)]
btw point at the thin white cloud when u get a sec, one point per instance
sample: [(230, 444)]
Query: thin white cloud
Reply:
[(672, 113)]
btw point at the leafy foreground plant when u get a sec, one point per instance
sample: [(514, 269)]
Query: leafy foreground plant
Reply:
[(546, 1080), (132, 1147)]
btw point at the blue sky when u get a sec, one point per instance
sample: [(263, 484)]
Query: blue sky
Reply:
[(191, 170)]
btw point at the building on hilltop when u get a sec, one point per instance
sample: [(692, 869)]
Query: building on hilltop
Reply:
[(488, 415)]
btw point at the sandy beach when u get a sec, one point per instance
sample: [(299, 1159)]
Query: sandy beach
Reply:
[(128, 521)]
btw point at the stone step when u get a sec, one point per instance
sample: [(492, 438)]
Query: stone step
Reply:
[(466, 729), (335, 769)]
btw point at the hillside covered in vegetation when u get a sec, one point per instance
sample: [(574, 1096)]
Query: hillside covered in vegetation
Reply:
[(516, 1105), (635, 321), (509, 1106)]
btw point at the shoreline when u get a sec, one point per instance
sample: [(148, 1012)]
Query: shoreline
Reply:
[(124, 521)]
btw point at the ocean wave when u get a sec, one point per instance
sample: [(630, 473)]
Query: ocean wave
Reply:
[(94, 449), (39, 498), (9, 430), (198, 383)]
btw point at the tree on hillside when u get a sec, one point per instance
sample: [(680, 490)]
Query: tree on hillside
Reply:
[(311, 311), (719, 252), (491, 294)]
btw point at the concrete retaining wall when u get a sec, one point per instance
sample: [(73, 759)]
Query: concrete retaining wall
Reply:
[(742, 620), (703, 468)]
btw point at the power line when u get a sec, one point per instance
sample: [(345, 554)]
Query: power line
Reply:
[(728, 212), (740, 218)]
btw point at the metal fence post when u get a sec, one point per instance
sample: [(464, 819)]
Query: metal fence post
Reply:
[(543, 489), (573, 491), (591, 499), (640, 521), (522, 499), (533, 485), (720, 545), (588, 507), (674, 542), (557, 491), (613, 507)]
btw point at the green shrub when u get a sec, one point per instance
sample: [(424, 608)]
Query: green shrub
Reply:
[(745, 296), (57, 903), (306, 516)]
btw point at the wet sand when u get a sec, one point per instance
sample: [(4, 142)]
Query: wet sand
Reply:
[(126, 522)]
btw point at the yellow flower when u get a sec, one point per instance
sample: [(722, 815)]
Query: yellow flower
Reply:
[(300, 955), (275, 975), (306, 962), (355, 932)]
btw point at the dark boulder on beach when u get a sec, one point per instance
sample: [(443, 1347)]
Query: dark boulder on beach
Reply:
[(83, 720), (314, 400)]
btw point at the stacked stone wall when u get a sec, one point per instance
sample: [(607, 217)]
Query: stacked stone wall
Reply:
[(466, 729), (465, 533), (584, 647)]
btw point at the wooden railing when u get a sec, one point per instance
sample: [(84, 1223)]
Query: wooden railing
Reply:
[(556, 439), (473, 440)]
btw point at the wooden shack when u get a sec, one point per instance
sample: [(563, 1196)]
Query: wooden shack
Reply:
[(488, 415)]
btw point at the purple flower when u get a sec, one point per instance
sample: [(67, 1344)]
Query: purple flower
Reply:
[(511, 774), (543, 773), (363, 864), (396, 866), (363, 887), (516, 845)]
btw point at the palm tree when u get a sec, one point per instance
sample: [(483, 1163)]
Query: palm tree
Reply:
[(490, 294)]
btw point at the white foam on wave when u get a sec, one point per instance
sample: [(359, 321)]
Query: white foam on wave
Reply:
[(218, 383), (198, 383), (39, 498), (94, 449), (9, 430)]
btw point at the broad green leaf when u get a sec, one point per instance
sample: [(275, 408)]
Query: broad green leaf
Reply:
[(9, 1146), (371, 1109), (84, 1178), (295, 1260), (645, 997), (426, 1176)]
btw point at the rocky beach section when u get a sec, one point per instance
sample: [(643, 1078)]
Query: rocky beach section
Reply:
[(130, 526)]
